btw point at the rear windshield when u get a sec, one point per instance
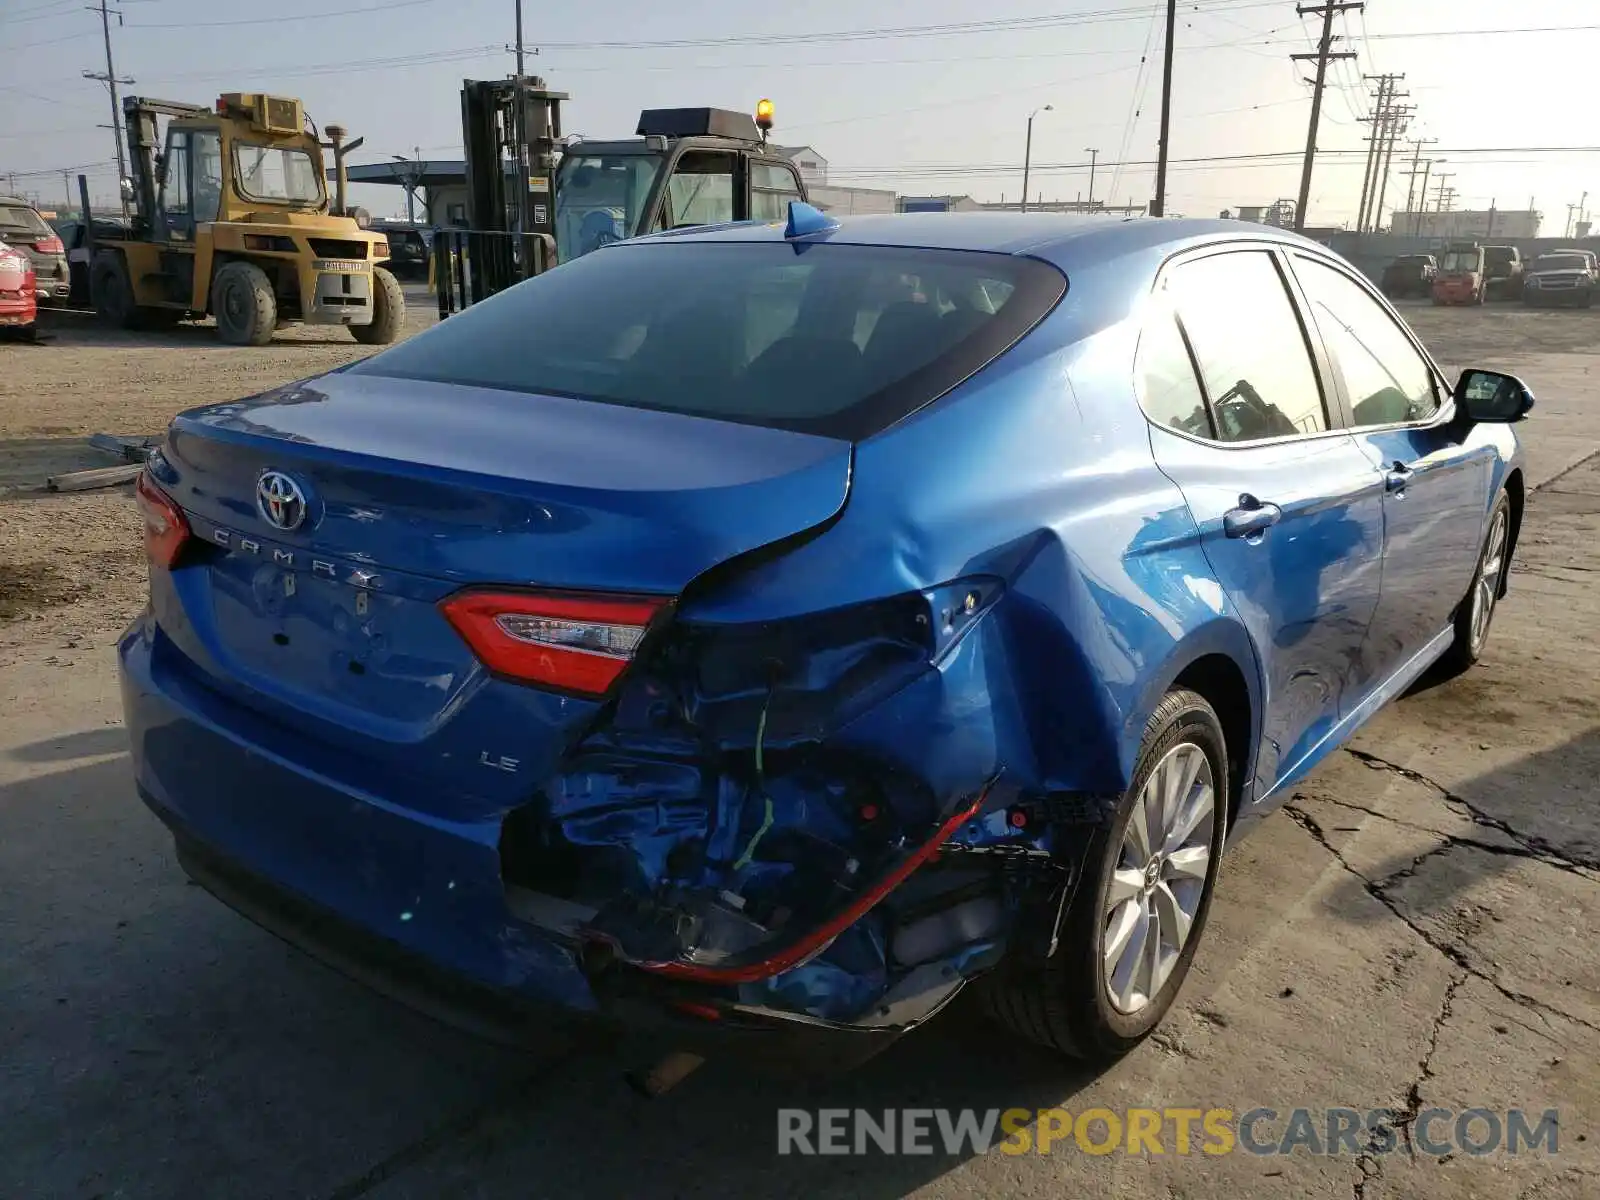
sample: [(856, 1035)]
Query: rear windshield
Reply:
[(838, 340), (15, 218)]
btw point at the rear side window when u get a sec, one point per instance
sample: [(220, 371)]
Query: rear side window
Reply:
[(838, 340), (1168, 389), (1250, 347)]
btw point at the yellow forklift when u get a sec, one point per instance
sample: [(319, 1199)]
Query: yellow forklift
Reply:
[(233, 220)]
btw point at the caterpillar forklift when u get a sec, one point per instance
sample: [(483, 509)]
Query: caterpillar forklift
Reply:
[(233, 220), (535, 198)]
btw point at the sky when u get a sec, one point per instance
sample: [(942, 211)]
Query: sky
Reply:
[(925, 98)]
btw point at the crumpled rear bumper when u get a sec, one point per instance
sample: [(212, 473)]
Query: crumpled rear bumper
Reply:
[(409, 904)]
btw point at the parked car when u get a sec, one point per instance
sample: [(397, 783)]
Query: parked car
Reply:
[(776, 627), (409, 246), (72, 233), (1502, 268), (1410, 275), (1561, 278), (19, 304), (1461, 278), (26, 231)]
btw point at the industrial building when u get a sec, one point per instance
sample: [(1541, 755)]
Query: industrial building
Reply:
[(1482, 224)]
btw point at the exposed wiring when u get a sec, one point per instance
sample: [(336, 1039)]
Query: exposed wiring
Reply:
[(743, 860)]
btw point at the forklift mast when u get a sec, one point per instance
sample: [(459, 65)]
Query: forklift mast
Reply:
[(497, 131)]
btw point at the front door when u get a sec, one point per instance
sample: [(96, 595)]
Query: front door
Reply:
[(176, 222), (1290, 511), (1437, 487)]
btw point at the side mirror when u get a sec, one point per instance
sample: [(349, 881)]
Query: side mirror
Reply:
[(1492, 396), (127, 190)]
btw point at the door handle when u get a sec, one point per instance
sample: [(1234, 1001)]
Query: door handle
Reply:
[(1397, 476), (1251, 519)]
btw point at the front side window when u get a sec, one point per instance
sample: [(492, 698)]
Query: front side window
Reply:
[(840, 340), (771, 189), (600, 199), (175, 176), (700, 191), (205, 161), (276, 174), (1250, 347), (1387, 380)]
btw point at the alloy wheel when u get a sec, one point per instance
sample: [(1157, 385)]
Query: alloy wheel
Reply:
[(1487, 592), (1160, 878)]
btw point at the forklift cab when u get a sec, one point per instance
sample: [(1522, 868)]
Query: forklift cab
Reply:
[(687, 167)]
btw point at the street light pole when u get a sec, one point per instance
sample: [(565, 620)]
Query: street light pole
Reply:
[(1027, 153), (1094, 156)]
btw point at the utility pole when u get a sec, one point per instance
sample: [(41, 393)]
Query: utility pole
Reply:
[(1322, 57), (1411, 175), (111, 79), (1027, 153), (1398, 124), (1380, 105), (1438, 206), (1094, 156), (1159, 207)]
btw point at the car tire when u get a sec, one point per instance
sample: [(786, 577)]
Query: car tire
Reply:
[(244, 305), (1476, 612), (388, 311), (1066, 1002), (111, 290)]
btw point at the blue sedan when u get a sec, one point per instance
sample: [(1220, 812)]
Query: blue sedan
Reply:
[(773, 628)]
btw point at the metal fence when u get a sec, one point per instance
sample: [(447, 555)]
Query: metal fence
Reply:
[(470, 265)]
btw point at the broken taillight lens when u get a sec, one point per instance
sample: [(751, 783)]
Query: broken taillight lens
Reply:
[(165, 530), (574, 642)]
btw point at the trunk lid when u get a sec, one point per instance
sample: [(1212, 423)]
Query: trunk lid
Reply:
[(413, 490)]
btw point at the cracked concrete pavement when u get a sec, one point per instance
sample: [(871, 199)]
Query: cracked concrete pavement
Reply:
[(1415, 932)]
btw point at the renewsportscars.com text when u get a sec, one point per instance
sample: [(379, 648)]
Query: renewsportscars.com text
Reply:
[(1176, 1131)]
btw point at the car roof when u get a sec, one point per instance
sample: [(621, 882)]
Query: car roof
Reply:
[(1065, 239)]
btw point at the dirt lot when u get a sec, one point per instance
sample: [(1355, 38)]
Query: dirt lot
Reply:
[(1416, 932)]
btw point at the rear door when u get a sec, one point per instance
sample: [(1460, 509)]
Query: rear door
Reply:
[(1290, 510), (1436, 480)]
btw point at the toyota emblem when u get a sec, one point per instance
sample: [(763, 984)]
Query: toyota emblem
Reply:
[(280, 501)]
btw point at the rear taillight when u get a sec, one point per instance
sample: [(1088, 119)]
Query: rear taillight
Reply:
[(165, 530), (50, 245), (577, 643)]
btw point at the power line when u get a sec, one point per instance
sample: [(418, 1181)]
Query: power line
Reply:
[(298, 18), (958, 28)]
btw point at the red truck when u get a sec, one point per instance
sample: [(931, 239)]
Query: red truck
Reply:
[(1461, 278), (19, 305)]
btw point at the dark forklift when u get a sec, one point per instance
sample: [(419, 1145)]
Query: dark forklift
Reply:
[(527, 211)]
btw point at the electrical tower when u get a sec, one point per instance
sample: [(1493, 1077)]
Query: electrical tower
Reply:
[(1323, 56)]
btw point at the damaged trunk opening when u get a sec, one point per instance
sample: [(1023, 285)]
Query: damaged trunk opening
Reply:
[(727, 823)]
